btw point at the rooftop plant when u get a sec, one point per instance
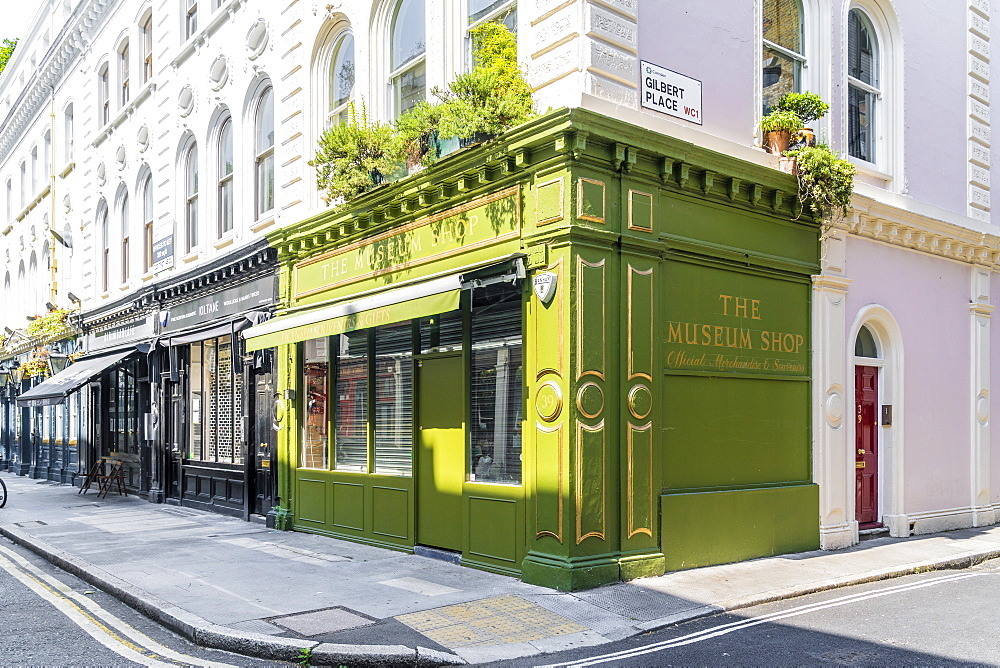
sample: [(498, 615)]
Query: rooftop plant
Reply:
[(807, 106), (826, 181), (48, 324)]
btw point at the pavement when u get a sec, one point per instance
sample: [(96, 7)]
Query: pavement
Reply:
[(239, 586)]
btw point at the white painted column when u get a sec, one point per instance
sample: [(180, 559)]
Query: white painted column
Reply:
[(979, 133), (583, 47), (980, 310), (833, 463)]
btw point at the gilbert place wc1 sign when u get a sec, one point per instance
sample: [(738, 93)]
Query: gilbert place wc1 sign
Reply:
[(670, 93)]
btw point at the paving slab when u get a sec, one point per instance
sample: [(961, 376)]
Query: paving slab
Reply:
[(231, 584)]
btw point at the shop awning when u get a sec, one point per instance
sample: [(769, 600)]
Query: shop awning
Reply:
[(210, 333), (52, 391), (385, 308)]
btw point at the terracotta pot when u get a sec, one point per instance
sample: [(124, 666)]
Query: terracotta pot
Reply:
[(777, 142)]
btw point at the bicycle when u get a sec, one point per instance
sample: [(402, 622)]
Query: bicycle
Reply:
[(3, 493)]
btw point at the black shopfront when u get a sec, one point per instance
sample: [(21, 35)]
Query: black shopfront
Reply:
[(215, 421)]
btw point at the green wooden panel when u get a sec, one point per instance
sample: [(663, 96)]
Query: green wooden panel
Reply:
[(348, 505), (701, 529), (391, 512), (730, 322), (441, 451), (549, 201), (748, 232), (592, 197), (493, 528), (310, 505), (734, 431)]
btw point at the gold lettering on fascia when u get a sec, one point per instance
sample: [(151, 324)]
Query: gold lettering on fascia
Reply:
[(735, 338)]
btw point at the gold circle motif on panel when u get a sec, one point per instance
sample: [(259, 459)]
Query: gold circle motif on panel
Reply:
[(640, 402), (590, 400), (548, 401)]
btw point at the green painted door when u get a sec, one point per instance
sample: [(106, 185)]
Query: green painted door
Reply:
[(441, 451)]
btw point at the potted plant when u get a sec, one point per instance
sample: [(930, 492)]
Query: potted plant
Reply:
[(777, 128), (809, 107), (826, 181), (355, 156), (36, 366), (49, 324), (486, 101)]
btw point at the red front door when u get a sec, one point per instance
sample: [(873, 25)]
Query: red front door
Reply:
[(866, 442)]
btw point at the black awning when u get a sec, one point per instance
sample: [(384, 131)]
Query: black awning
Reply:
[(226, 329), (54, 390)]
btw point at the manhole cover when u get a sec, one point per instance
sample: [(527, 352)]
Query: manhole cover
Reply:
[(633, 602), (845, 657), (320, 622)]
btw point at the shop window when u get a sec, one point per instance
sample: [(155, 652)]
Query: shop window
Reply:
[(409, 70), (351, 414), (394, 399), (863, 91), (315, 424), (341, 81), (216, 418), (495, 420), (123, 408), (783, 58)]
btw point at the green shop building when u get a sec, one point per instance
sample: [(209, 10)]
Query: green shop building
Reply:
[(578, 353)]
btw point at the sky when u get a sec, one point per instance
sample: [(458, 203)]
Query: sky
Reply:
[(15, 16)]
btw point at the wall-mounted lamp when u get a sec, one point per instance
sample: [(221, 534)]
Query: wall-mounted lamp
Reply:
[(58, 362), (10, 332), (31, 318), (73, 298), (50, 306)]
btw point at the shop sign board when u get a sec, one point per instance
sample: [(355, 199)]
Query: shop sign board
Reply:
[(727, 323), (670, 93), (119, 334), (163, 253), (218, 305), (483, 222)]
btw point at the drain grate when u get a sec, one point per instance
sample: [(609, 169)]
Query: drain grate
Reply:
[(633, 602), (321, 622), (33, 523)]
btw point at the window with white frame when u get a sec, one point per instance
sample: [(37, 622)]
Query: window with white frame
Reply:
[(191, 197), (503, 12), (146, 30), (341, 80), (24, 184), (147, 222), (105, 232), (225, 176), (264, 153), (863, 86), (123, 74), (68, 132), (46, 153), (103, 96), (190, 18), (10, 201), (66, 266), (408, 75), (126, 251), (34, 170), (782, 51)]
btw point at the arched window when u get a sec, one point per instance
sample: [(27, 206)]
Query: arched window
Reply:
[(147, 222), (8, 296), (782, 57), (864, 345), (105, 250), (863, 89), (190, 167), (66, 266), (34, 171), (408, 76), (264, 152), (31, 287), (341, 78), (46, 154), (21, 294), (10, 200), (103, 96), (501, 11), (68, 133), (225, 174), (123, 73), (24, 184), (126, 251), (146, 31)]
